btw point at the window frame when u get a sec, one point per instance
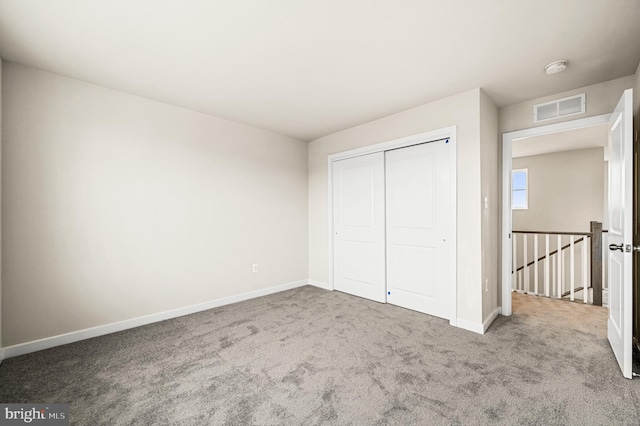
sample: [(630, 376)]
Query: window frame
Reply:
[(526, 189)]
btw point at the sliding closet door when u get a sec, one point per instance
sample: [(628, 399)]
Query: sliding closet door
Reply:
[(358, 203), (419, 214)]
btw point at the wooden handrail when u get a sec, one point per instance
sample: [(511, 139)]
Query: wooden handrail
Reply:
[(588, 234), (554, 252)]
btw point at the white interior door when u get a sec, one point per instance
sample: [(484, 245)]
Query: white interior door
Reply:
[(419, 215), (358, 214), (620, 235)]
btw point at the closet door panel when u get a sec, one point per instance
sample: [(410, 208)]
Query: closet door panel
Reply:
[(418, 218), (359, 226)]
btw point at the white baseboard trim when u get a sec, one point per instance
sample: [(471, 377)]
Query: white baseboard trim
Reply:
[(101, 330), (319, 284), (476, 327), (1, 355), (492, 316)]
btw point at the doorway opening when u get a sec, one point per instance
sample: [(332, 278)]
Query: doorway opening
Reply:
[(620, 236), (559, 193), (550, 273)]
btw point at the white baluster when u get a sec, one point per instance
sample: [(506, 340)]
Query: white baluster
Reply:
[(547, 259), (585, 281), (553, 270), (559, 267), (563, 267), (526, 268), (535, 262), (572, 265), (516, 284)]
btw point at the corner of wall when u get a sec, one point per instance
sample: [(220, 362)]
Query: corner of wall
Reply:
[(490, 193)]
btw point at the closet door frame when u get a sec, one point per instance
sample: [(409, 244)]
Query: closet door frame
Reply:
[(444, 133)]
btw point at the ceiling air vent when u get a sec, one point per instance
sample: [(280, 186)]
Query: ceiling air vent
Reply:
[(564, 107)]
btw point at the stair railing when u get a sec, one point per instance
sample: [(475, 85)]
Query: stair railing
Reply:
[(553, 274)]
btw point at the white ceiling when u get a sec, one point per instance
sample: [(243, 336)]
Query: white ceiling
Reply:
[(310, 68), (570, 140)]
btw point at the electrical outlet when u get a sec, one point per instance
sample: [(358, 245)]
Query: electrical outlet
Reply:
[(255, 268)]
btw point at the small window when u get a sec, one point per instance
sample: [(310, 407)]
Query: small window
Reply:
[(519, 189)]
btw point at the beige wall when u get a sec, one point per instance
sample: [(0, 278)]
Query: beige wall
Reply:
[(566, 191), (601, 98), (115, 206), (461, 110), (490, 178)]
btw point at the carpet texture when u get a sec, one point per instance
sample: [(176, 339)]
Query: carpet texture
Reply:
[(310, 356)]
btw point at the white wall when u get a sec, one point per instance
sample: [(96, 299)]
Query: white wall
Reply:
[(601, 98), (115, 206), (461, 110), (490, 179), (1, 149), (566, 191)]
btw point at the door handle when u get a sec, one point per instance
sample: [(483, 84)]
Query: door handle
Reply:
[(614, 247)]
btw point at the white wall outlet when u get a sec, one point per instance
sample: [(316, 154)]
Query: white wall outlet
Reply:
[(255, 268)]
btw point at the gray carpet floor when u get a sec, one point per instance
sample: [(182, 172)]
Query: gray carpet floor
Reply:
[(309, 356)]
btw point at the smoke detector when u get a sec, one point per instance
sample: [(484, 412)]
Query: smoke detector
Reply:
[(556, 67)]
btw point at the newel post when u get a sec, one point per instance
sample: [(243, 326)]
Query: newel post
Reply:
[(596, 262)]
